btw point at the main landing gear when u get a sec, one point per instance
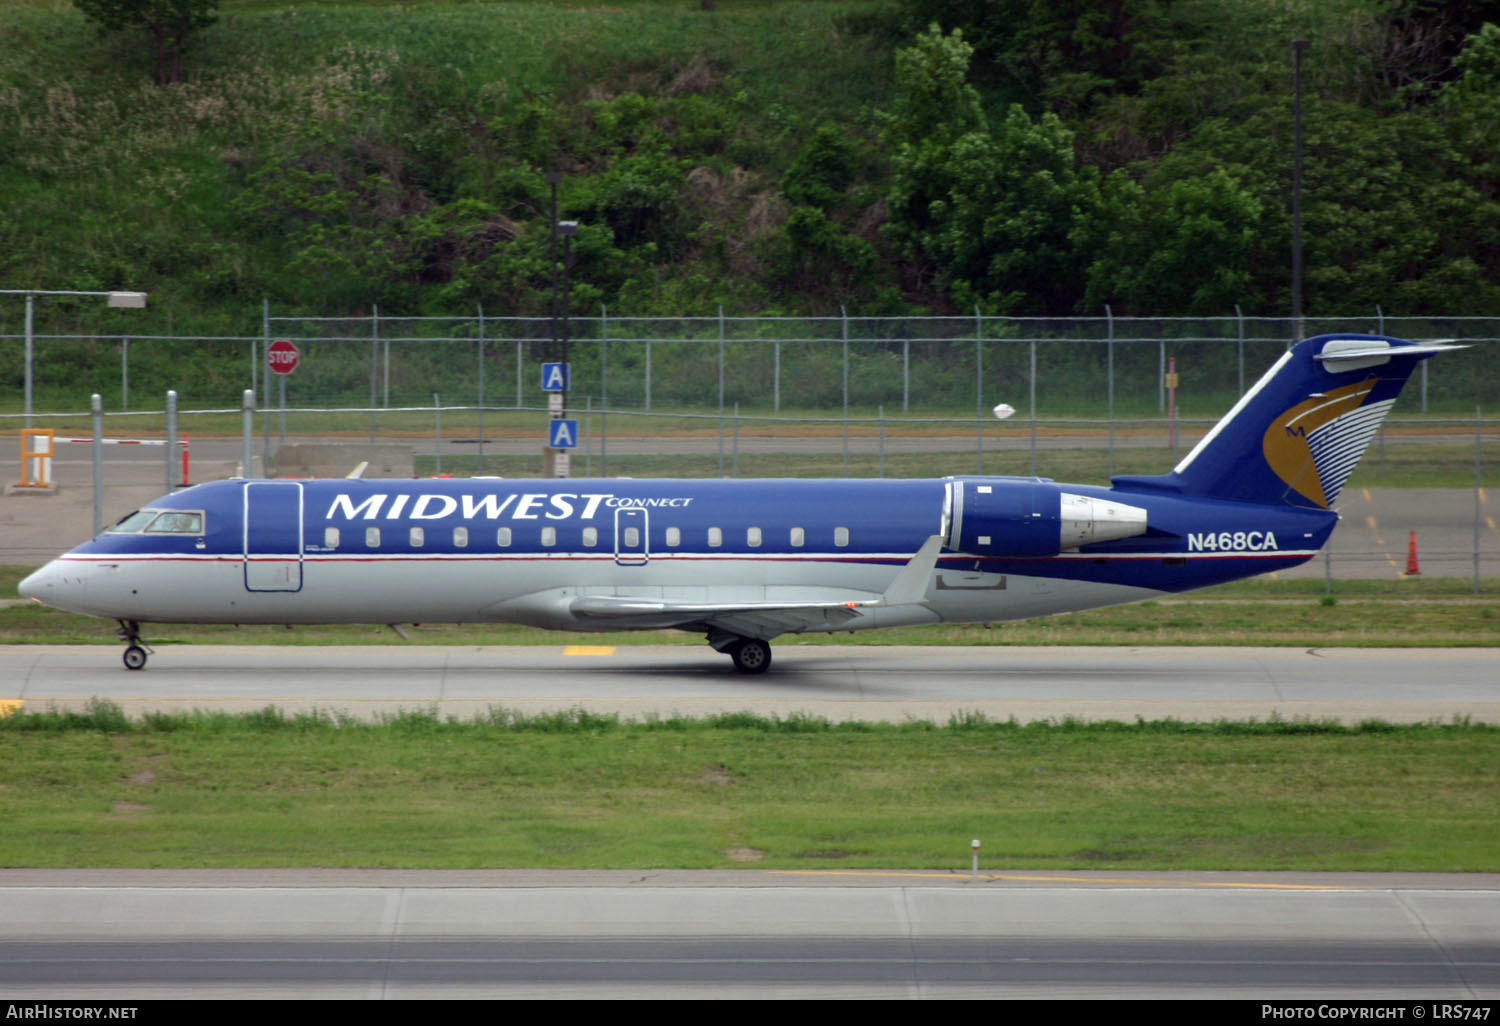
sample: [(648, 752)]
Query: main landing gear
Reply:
[(135, 653), (750, 655)]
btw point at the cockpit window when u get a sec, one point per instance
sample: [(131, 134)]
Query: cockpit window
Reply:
[(134, 522), (177, 523)]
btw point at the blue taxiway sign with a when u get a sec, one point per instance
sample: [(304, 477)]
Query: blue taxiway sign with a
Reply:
[(563, 433), (554, 377)]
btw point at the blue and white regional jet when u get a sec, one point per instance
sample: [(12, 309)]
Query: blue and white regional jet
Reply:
[(743, 561)]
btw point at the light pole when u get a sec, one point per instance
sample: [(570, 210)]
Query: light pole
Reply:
[(553, 178), (1298, 46), (567, 229), (128, 300)]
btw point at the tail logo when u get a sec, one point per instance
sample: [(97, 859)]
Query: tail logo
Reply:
[(1315, 445)]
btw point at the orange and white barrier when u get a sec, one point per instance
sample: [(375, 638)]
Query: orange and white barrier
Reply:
[(182, 443), (36, 458)]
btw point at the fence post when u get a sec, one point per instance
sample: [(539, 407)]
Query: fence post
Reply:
[(721, 362), (906, 375), (844, 335), (479, 308), (978, 391), (125, 371), (1239, 319), (262, 378), (247, 432), (1109, 346), (1161, 375), (776, 375), (374, 375), (978, 362), (96, 409), (171, 441), (880, 457), (437, 434), (1478, 492), (30, 359), (604, 394), (1033, 407), (385, 347)]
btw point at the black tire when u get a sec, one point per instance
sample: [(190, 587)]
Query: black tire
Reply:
[(751, 656), (135, 658)]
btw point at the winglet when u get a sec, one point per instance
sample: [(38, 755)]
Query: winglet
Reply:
[(358, 472), (910, 584)]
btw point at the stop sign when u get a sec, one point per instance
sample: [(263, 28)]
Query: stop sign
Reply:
[(282, 356)]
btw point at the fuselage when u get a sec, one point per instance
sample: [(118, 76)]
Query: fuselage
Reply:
[(493, 550)]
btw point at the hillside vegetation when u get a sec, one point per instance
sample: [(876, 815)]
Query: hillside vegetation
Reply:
[(769, 157)]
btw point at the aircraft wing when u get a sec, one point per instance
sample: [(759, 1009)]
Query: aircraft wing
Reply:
[(751, 619), (764, 619)]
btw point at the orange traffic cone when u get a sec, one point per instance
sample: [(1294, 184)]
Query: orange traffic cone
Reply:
[(1412, 570)]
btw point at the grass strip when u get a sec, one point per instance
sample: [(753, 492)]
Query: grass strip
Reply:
[(584, 790)]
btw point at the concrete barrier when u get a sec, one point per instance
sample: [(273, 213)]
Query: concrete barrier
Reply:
[(337, 459)]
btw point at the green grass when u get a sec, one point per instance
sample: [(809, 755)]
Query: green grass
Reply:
[(581, 790)]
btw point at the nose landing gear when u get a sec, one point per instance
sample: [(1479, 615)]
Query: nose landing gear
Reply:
[(135, 653)]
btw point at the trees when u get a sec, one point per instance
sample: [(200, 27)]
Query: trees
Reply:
[(168, 24), (992, 210)]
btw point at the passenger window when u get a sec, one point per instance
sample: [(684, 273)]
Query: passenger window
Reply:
[(715, 537), (460, 537), (632, 537), (330, 537), (417, 537), (590, 537), (674, 537), (752, 537), (502, 537), (549, 536), (372, 537), (799, 537), (841, 536)]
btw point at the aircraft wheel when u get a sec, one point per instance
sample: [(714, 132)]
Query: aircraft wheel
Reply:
[(751, 656), (135, 657)]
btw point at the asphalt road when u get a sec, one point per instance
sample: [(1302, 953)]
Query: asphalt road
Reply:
[(394, 935), (890, 683)]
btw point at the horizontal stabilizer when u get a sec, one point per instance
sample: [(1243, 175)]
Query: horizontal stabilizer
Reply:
[(1355, 353)]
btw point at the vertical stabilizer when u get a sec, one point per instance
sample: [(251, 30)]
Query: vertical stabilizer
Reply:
[(1296, 436)]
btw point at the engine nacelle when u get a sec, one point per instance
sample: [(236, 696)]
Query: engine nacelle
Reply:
[(999, 516)]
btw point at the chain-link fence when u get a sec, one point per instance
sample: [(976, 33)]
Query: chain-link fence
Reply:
[(1105, 367)]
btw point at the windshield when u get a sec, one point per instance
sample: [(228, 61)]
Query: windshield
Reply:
[(177, 522), (133, 522), (155, 521)]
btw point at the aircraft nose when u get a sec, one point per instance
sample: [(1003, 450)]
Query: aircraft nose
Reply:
[(50, 585)]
